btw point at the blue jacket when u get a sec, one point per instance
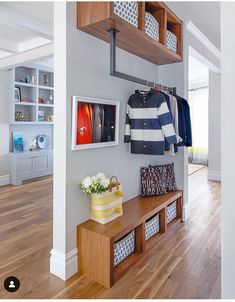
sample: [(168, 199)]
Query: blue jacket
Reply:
[(148, 123), (185, 130)]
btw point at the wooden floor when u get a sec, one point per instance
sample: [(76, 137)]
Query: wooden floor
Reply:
[(185, 264)]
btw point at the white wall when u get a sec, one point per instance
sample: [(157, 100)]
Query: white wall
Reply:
[(186, 14), (214, 152), (228, 147), (4, 97), (88, 75), (4, 128), (176, 75)]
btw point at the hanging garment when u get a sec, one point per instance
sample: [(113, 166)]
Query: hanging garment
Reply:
[(174, 109), (109, 124), (84, 123), (148, 123), (98, 123), (185, 130)]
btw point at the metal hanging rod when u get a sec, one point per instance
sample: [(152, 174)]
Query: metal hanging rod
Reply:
[(124, 76)]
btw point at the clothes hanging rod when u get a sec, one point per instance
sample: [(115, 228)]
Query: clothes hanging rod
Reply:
[(124, 76), (198, 88)]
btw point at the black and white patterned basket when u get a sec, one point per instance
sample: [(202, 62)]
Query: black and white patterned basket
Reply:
[(152, 227), (171, 212), (151, 26), (124, 247), (128, 10), (171, 41)]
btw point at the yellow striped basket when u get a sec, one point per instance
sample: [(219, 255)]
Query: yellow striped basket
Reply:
[(107, 206)]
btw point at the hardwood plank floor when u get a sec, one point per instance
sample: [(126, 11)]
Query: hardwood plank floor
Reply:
[(184, 264)]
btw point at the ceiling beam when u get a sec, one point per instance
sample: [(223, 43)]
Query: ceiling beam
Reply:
[(32, 43), (195, 31), (26, 57), (8, 45), (18, 20)]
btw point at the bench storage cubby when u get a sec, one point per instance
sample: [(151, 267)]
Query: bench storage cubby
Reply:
[(171, 212), (152, 227), (107, 251), (124, 247)]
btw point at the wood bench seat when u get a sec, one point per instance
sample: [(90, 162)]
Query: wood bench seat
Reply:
[(96, 241)]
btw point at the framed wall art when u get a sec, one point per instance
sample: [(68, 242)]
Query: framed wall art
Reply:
[(95, 123)]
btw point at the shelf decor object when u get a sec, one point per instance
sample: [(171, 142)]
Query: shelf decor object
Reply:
[(106, 197), (99, 18), (171, 41), (127, 10), (29, 97), (151, 26), (106, 252)]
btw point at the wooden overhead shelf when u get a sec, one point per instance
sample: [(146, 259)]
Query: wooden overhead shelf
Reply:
[(98, 18)]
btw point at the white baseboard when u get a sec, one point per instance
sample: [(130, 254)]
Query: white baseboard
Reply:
[(64, 265), (214, 175), (186, 212), (4, 180)]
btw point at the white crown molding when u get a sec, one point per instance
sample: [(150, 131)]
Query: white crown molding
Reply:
[(195, 31), (18, 20), (4, 180), (202, 59), (26, 57), (214, 175), (8, 46), (64, 265)]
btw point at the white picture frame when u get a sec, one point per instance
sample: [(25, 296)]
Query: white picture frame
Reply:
[(81, 99)]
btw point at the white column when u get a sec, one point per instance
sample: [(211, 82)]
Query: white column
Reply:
[(62, 264), (228, 147), (214, 152)]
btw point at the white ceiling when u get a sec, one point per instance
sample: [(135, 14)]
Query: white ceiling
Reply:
[(198, 72), (36, 9), (204, 14), (24, 25), (14, 35)]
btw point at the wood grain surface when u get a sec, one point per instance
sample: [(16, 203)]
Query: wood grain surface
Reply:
[(185, 263)]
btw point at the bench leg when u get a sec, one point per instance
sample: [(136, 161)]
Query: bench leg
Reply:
[(163, 224), (140, 238)]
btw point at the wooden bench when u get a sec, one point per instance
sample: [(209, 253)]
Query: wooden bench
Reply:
[(95, 241)]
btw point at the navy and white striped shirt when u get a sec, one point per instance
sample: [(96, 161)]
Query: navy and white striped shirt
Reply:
[(148, 123)]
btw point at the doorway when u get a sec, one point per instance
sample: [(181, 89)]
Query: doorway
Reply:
[(199, 102)]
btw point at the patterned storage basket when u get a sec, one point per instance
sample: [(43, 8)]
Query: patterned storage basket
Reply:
[(171, 41), (124, 247), (152, 227), (151, 26), (127, 10), (171, 212)]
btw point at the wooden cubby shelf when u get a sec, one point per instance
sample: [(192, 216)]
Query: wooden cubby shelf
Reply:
[(98, 18), (96, 241)]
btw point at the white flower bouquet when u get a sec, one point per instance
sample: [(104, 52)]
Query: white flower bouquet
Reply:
[(95, 184)]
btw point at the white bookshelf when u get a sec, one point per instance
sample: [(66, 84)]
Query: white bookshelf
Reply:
[(34, 103)]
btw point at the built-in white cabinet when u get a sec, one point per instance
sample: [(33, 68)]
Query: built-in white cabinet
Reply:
[(30, 164), (31, 95)]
